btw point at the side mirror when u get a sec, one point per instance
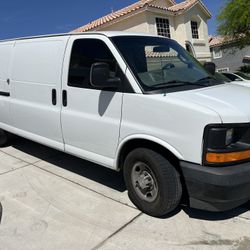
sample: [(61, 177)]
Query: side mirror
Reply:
[(100, 76), (210, 67)]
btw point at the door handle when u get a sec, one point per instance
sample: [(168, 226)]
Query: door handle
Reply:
[(64, 98), (53, 96)]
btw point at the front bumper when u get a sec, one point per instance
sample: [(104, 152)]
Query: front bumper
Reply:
[(217, 188)]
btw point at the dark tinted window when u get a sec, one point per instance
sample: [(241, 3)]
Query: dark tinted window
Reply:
[(231, 76), (194, 28), (86, 52), (244, 76), (222, 77), (162, 64), (163, 27)]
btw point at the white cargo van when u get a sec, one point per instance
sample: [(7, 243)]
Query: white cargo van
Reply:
[(136, 103)]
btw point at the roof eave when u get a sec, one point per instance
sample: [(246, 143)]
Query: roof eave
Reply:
[(209, 14), (160, 10), (146, 7), (205, 9), (116, 20), (226, 42)]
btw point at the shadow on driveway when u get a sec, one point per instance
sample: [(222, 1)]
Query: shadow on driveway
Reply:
[(92, 171), (109, 178)]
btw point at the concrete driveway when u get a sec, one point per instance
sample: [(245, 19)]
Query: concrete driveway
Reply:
[(51, 200)]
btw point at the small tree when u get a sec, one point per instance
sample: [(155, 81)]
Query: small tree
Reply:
[(234, 22), (245, 69)]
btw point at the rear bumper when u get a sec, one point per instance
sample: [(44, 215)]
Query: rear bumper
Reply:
[(217, 188)]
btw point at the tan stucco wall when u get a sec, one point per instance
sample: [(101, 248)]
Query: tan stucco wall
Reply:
[(200, 45), (162, 3), (180, 28), (135, 23)]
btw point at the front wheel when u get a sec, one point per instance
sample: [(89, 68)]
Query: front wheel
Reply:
[(153, 183)]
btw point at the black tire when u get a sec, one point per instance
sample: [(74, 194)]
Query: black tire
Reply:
[(3, 138), (166, 181)]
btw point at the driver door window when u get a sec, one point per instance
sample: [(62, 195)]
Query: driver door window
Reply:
[(86, 52)]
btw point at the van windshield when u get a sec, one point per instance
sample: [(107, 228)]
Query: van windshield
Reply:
[(160, 63)]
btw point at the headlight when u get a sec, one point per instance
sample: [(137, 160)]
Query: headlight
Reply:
[(226, 144)]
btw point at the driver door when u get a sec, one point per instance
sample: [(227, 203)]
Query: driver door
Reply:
[(90, 116)]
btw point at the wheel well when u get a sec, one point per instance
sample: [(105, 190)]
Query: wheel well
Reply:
[(142, 143)]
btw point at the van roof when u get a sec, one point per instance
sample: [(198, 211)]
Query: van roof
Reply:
[(106, 33)]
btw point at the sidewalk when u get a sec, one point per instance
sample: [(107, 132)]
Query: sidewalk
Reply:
[(55, 201)]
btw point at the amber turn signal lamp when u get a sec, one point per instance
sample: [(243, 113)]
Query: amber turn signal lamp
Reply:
[(227, 157)]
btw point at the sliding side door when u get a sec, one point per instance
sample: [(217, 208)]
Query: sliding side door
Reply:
[(36, 89), (6, 49)]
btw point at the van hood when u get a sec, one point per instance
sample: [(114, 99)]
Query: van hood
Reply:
[(230, 101), (242, 83)]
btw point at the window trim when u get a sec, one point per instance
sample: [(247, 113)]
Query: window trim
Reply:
[(167, 29), (214, 55), (196, 28)]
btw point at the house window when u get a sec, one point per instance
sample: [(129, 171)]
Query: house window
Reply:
[(194, 28), (217, 53), (163, 28)]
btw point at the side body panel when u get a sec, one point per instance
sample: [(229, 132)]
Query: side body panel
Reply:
[(36, 70), (6, 50), (176, 124)]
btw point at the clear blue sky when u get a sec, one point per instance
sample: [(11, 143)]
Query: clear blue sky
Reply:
[(31, 17)]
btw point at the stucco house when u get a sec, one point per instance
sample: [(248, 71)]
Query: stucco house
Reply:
[(185, 22), (226, 56)]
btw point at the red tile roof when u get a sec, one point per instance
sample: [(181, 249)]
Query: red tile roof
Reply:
[(151, 54), (219, 40), (213, 41), (175, 8)]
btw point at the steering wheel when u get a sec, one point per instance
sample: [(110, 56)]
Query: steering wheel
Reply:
[(168, 66)]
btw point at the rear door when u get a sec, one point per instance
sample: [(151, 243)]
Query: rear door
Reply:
[(6, 49), (36, 86), (90, 116)]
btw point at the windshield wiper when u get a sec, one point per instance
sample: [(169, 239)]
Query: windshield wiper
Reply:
[(175, 83)]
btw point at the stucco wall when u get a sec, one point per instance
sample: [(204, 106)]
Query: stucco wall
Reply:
[(162, 3), (135, 23), (180, 27), (201, 45), (231, 58)]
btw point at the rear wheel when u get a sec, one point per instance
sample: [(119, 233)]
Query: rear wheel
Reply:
[(3, 138), (153, 183)]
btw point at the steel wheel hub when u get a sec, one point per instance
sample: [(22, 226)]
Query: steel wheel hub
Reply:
[(144, 182)]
